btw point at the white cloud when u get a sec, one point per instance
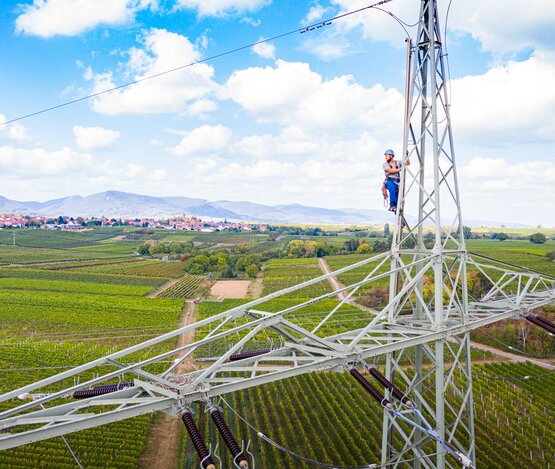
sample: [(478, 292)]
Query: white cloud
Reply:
[(265, 50), (201, 108), (221, 7), (500, 26), (157, 175), (163, 51), (90, 138), (36, 162), (47, 18), (203, 140), (251, 21), (498, 189), (13, 131), (291, 93), (328, 46), (376, 24), (508, 104), (315, 14)]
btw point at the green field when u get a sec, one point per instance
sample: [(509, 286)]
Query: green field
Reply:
[(76, 296)]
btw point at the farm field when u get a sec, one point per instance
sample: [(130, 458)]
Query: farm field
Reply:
[(90, 298), (298, 413), (51, 320), (278, 277)]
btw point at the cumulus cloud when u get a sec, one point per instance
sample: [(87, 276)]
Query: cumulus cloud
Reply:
[(509, 104), (47, 18), (157, 175), (162, 51), (503, 26), (13, 131), (316, 13), (523, 25), (291, 93), (36, 162), (203, 140), (201, 108), (221, 7), (486, 182), (265, 50), (90, 138), (375, 24)]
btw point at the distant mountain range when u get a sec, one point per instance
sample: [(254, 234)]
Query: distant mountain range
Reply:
[(115, 204)]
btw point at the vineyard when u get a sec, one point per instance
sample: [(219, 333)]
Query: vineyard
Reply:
[(187, 286), (298, 413), (85, 295), (286, 275)]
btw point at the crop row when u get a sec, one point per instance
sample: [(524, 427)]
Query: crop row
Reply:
[(292, 262), (58, 239), (149, 268), (22, 255), (75, 276), (185, 287), (72, 287), (298, 413), (38, 310)]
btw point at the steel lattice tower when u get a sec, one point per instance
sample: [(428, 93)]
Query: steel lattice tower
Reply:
[(428, 142), (423, 329)]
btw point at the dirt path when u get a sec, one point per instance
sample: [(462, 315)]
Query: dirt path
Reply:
[(255, 288), (154, 293), (513, 356), (164, 435), (336, 286)]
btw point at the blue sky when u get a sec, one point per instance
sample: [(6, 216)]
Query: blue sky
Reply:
[(303, 119)]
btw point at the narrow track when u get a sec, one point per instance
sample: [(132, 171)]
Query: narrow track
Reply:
[(165, 433), (336, 285)]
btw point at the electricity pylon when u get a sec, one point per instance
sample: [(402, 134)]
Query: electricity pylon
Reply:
[(428, 143), (438, 293)]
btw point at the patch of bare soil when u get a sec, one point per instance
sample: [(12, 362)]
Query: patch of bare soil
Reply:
[(231, 288), (164, 435)]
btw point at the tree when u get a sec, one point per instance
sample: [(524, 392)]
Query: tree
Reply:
[(502, 236), (352, 244), (523, 330), (386, 230), (251, 270), (537, 238), (228, 272), (143, 249), (467, 232), (296, 248), (365, 248), (198, 264), (551, 255)]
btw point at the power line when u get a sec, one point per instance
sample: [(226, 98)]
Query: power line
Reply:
[(512, 378), (312, 461), (302, 30), (513, 349)]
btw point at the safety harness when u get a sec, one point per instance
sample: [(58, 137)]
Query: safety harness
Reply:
[(385, 192)]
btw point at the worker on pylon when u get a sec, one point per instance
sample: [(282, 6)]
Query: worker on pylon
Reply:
[(392, 169)]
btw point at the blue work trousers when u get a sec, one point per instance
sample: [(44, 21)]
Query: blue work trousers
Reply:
[(393, 189)]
